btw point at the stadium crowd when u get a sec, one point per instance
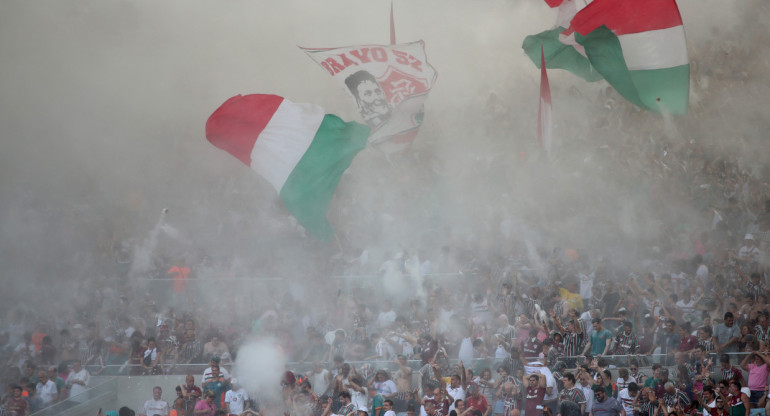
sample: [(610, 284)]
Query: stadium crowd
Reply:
[(455, 329)]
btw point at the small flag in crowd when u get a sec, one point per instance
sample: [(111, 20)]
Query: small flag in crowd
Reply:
[(300, 150), (389, 83)]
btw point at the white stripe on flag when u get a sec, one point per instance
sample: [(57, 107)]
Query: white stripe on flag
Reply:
[(655, 49), (285, 140)]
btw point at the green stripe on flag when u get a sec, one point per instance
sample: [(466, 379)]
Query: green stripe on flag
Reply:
[(308, 191), (606, 55), (558, 55), (641, 87), (671, 85)]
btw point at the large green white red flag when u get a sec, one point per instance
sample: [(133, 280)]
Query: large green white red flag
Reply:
[(561, 51), (638, 46), (389, 83), (300, 150)]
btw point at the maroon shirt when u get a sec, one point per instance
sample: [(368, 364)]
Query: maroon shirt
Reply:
[(479, 402), (16, 407), (530, 348), (534, 398), (687, 343)]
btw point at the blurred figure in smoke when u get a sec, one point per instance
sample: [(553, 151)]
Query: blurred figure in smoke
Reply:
[(215, 347), (370, 97)]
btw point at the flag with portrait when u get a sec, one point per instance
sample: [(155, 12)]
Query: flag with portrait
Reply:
[(389, 84)]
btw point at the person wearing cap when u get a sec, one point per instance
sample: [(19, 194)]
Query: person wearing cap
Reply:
[(600, 339), (218, 384), (215, 360), (749, 252), (626, 342), (604, 405), (236, 399), (726, 335)]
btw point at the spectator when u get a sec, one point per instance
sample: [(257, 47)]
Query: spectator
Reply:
[(190, 393), (535, 391), (215, 347), (15, 404), (726, 335), (78, 379), (626, 342), (606, 405), (155, 406), (217, 384), (572, 392), (757, 366), (599, 340), (206, 407), (152, 360), (207, 373), (627, 396), (728, 371), (46, 389), (236, 399)]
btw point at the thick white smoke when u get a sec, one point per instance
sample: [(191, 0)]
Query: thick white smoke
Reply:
[(259, 367)]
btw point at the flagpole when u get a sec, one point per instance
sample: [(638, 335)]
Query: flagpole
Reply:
[(392, 25), (544, 122)]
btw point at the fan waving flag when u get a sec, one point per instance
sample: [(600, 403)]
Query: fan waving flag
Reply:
[(300, 150), (389, 83), (640, 49)]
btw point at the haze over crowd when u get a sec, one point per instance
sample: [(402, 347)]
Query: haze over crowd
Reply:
[(103, 107)]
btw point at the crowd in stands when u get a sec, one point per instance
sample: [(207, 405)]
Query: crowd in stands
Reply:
[(527, 337), (458, 328)]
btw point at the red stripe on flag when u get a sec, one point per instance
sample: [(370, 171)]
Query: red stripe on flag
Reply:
[(544, 107), (236, 124), (626, 16), (554, 3)]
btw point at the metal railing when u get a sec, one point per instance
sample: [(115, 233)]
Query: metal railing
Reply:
[(304, 367)]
